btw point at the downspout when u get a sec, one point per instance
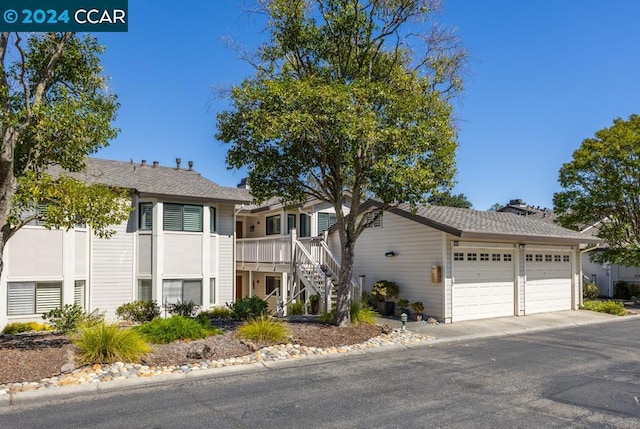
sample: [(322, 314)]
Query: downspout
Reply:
[(582, 252)]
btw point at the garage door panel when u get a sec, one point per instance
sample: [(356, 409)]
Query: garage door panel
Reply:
[(548, 282)]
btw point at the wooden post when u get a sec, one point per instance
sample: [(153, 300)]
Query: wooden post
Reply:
[(327, 294)]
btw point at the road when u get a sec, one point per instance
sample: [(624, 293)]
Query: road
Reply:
[(581, 377)]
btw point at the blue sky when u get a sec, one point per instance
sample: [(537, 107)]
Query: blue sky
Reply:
[(543, 75)]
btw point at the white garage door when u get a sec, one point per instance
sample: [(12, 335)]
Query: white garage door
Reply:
[(548, 282), (483, 284)]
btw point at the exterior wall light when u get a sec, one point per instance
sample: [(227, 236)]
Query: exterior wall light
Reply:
[(390, 254)]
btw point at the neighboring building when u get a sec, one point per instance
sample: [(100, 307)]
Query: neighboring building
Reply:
[(466, 264), (519, 207), (178, 244)]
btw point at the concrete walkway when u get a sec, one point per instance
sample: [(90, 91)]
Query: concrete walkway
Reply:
[(489, 328)]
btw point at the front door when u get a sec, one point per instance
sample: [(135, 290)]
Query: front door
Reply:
[(238, 287), (238, 229)]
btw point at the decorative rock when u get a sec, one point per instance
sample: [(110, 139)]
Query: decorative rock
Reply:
[(200, 351), (67, 367), (386, 329), (432, 321)]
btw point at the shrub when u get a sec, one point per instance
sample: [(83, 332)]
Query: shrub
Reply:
[(164, 331), (138, 311), (590, 291), (610, 307), (362, 314), (417, 306), (205, 317), (249, 308), (295, 308), (403, 304), (71, 317), (107, 343), (186, 309), (264, 328), (18, 327), (621, 290), (384, 290), (369, 299)]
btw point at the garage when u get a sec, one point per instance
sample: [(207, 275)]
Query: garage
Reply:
[(483, 284), (548, 281)]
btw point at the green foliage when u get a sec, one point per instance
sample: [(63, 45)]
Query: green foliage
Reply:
[(295, 308), (138, 311), (248, 307), (347, 104), (164, 331), (107, 343), (71, 317), (417, 306), (590, 291), (447, 199), (610, 307), (368, 299), (601, 184), (624, 290), (264, 329), (315, 298), (18, 327), (217, 313), (186, 309), (362, 314), (403, 303), (385, 290)]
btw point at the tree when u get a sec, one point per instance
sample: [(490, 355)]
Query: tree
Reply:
[(495, 207), (350, 101), (54, 110), (448, 199), (601, 185)]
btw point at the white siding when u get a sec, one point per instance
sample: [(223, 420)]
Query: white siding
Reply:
[(417, 248), (213, 255), (226, 221), (144, 254), (81, 253), (182, 254), (35, 253), (225, 281), (112, 281)]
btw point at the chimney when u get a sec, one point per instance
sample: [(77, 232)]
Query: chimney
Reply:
[(244, 184), (190, 165), (178, 161), (155, 164), (144, 162)]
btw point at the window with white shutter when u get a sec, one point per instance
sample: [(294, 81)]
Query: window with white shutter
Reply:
[(33, 297), (181, 290), (145, 216), (79, 293), (144, 290), (326, 221), (182, 217)]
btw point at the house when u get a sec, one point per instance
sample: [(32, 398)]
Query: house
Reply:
[(465, 264), (178, 244)]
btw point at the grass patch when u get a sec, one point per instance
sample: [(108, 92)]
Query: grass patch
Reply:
[(106, 343), (265, 329), (295, 308), (164, 331), (19, 327), (360, 313), (609, 307)]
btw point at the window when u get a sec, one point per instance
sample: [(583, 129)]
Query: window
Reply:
[(40, 210), (472, 257), (457, 256), (145, 216), (506, 257), (212, 290), (182, 217), (495, 257), (548, 258), (79, 293), (529, 257), (272, 283), (273, 225), (557, 258), (181, 290), (33, 297), (326, 221), (213, 223), (291, 222), (376, 223), (144, 290), (538, 258), (305, 226), (566, 258), (484, 256)]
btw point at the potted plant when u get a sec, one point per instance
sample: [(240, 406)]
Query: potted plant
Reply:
[(315, 303), (401, 306), (384, 291), (418, 308)]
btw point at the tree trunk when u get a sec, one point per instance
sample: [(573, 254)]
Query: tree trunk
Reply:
[(7, 190), (343, 305)]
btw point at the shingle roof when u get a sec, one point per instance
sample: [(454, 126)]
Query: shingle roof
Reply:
[(466, 223), (160, 181)]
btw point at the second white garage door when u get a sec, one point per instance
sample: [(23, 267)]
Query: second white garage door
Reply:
[(548, 282), (483, 284)]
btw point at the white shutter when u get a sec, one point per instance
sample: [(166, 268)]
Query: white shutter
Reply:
[(192, 291), (78, 293), (172, 217), (192, 218), (212, 290), (171, 291), (21, 298), (48, 296)]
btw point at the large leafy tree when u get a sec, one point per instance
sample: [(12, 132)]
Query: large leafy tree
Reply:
[(351, 100), (602, 188), (448, 199), (54, 110)]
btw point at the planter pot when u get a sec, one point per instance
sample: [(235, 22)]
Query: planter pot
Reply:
[(386, 308), (315, 307), (418, 317)]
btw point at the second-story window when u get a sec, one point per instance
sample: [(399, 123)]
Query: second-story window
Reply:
[(213, 226), (326, 221), (291, 222), (145, 216), (273, 225), (305, 226), (182, 217)]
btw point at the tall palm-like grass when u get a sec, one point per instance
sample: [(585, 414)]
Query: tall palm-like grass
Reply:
[(107, 343), (265, 329)]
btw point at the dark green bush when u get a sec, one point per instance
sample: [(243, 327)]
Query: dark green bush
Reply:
[(590, 291), (610, 307), (138, 311), (249, 307), (295, 308), (163, 331), (71, 317), (186, 309), (621, 290)]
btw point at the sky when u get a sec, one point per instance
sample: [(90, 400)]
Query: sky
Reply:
[(542, 76)]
